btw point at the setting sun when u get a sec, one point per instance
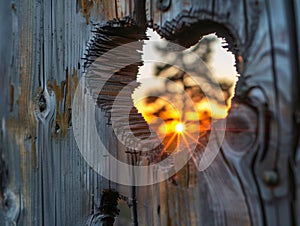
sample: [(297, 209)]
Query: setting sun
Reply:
[(178, 105), (179, 127)]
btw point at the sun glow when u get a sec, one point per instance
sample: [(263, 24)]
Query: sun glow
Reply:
[(172, 101), (180, 127)]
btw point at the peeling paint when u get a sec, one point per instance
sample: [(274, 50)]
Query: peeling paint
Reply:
[(18, 132), (104, 10), (86, 7), (63, 94)]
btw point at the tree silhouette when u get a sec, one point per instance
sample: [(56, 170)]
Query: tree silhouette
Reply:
[(179, 86)]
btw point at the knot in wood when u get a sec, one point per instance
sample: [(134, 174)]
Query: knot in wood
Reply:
[(241, 128), (271, 178), (109, 203), (42, 103), (163, 5)]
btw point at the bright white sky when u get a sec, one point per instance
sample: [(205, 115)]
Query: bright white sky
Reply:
[(221, 66)]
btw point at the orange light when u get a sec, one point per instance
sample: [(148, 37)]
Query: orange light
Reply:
[(179, 127)]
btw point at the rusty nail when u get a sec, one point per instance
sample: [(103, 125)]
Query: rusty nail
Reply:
[(163, 5), (271, 178)]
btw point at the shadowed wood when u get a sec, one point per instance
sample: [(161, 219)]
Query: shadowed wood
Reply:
[(44, 180), (260, 37)]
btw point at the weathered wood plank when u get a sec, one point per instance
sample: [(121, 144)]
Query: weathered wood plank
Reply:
[(263, 52), (44, 179), (42, 43)]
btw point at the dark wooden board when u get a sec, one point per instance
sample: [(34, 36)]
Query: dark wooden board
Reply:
[(44, 180)]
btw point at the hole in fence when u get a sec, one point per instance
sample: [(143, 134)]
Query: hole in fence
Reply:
[(181, 93), (177, 104)]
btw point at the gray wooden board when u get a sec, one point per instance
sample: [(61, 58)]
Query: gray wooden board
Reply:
[(44, 179)]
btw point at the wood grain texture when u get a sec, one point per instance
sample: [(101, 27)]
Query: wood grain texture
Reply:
[(254, 179), (261, 175), (42, 42)]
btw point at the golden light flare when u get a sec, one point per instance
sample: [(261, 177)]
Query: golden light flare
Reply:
[(180, 127), (180, 130), (215, 110), (183, 100)]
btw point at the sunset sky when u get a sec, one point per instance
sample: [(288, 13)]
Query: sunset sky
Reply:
[(177, 121)]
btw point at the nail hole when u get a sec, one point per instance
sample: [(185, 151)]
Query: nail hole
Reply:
[(57, 128), (42, 103)]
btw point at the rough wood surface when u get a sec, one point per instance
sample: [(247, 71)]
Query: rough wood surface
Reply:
[(44, 180), (252, 184)]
